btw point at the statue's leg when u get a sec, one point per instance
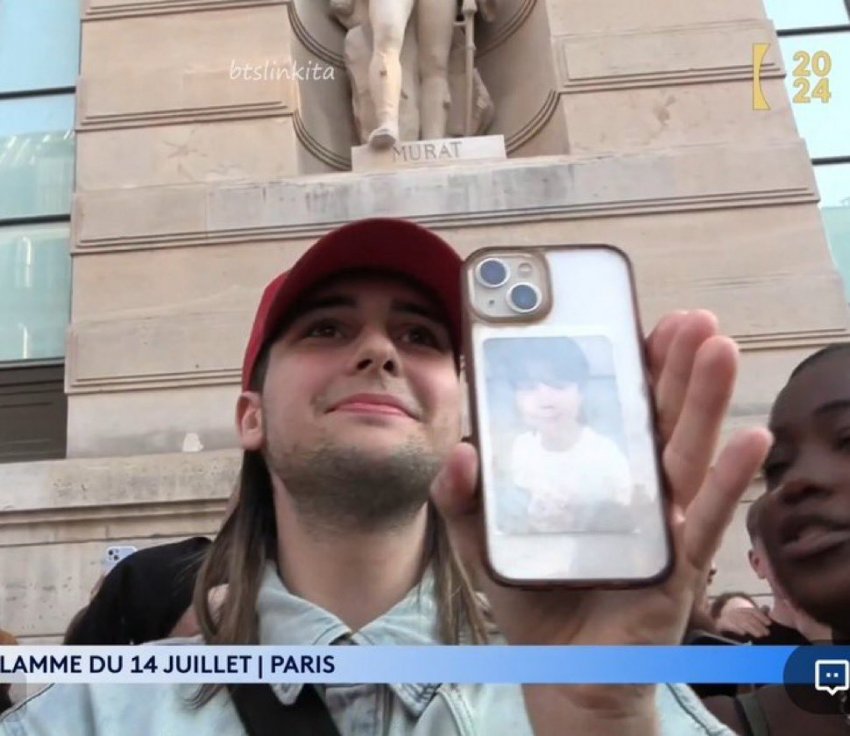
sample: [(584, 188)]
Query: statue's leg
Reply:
[(388, 19), (436, 27), (358, 56)]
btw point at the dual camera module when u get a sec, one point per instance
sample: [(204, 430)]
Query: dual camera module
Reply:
[(522, 297)]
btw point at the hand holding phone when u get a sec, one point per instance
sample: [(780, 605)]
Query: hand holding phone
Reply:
[(692, 372)]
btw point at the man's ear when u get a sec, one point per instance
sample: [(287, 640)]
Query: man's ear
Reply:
[(249, 420)]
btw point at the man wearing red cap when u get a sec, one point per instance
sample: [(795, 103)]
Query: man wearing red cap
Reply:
[(357, 520)]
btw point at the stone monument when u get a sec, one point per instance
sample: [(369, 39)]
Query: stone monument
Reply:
[(411, 68)]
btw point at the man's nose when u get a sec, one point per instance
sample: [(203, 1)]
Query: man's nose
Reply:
[(376, 352)]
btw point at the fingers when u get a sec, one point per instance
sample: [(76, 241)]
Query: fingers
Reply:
[(754, 622), (690, 449), (711, 511), (659, 341), (454, 493), (743, 628), (756, 615), (690, 332), (745, 622)]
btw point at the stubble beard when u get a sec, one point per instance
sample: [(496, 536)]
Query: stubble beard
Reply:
[(344, 488)]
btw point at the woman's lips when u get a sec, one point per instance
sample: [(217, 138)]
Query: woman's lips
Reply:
[(815, 539)]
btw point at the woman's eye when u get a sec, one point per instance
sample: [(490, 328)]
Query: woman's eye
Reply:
[(773, 472), (843, 443)]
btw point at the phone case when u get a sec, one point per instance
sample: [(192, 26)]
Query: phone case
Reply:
[(114, 555), (562, 416)]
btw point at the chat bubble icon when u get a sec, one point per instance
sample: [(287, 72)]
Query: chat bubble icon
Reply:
[(832, 675)]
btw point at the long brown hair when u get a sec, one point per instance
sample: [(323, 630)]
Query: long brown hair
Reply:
[(248, 540)]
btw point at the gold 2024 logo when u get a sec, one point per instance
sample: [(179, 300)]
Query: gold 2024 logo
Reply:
[(816, 65)]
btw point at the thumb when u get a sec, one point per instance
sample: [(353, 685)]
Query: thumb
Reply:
[(455, 494)]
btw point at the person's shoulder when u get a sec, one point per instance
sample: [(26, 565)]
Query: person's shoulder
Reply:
[(590, 436), (527, 438), (597, 443), (525, 443), (106, 709), (681, 713), (500, 709), (178, 641)]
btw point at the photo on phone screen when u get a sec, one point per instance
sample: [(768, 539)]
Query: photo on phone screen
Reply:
[(555, 405)]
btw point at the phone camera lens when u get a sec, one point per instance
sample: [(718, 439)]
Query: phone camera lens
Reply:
[(492, 272), (524, 298)]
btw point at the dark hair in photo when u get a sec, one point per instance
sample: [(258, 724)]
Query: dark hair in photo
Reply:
[(554, 361)]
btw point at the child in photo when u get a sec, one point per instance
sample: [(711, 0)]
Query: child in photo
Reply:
[(573, 476)]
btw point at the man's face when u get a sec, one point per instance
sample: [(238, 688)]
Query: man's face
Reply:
[(805, 522), (543, 405), (545, 399), (365, 372)]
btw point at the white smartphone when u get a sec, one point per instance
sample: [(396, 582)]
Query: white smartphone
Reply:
[(562, 415), (114, 555)]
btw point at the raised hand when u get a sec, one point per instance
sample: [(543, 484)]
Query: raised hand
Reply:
[(693, 371)]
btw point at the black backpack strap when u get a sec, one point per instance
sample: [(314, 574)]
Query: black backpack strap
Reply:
[(262, 714), (751, 714)]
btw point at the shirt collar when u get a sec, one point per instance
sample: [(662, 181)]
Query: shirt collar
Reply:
[(287, 620)]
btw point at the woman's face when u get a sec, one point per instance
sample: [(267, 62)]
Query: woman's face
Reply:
[(805, 522)]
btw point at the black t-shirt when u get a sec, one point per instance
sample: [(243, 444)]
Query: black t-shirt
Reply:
[(143, 597)]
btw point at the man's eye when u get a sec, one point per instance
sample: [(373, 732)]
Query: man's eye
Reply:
[(419, 335), (773, 472), (324, 329)]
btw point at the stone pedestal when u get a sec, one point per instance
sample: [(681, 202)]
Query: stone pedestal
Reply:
[(417, 154)]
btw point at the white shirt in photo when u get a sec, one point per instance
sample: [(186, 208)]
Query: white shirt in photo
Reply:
[(563, 484)]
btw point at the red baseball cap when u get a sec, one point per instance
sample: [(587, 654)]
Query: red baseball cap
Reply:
[(382, 244)]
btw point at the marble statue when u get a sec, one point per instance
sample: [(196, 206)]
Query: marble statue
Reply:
[(411, 67)]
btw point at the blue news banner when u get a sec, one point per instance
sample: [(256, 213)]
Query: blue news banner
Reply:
[(400, 664)]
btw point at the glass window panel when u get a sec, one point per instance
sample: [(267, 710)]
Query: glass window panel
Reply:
[(35, 291), (824, 125), (787, 14), (36, 156), (834, 185), (39, 44)]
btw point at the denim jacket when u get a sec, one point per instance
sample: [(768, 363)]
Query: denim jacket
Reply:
[(358, 710)]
